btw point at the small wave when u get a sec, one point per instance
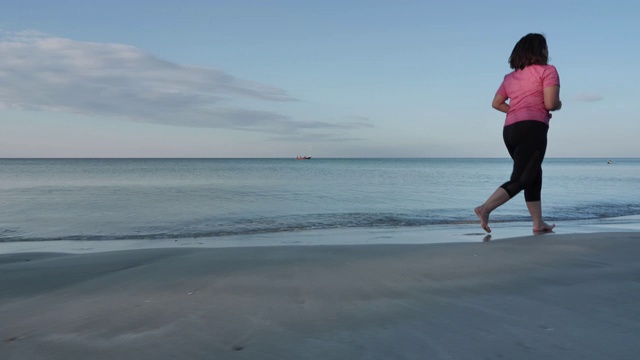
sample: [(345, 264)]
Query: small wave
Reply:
[(291, 223)]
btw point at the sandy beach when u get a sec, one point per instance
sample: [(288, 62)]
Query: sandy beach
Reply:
[(569, 296)]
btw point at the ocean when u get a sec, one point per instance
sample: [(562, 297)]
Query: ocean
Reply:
[(211, 199)]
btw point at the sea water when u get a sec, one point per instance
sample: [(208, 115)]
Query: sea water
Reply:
[(209, 199)]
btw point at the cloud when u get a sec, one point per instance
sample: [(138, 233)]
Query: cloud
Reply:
[(46, 73), (588, 97)]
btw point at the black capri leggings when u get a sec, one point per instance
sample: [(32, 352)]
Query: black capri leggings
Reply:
[(526, 142)]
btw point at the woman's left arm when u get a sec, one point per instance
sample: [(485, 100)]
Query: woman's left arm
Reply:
[(500, 103)]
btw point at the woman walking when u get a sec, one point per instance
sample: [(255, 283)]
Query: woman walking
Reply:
[(533, 90)]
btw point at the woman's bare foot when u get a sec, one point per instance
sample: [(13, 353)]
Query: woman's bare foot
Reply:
[(544, 228), (484, 218)]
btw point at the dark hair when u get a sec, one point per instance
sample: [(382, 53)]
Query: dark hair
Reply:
[(530, 50)]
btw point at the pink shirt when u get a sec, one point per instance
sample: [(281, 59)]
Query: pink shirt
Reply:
[(525, 89)]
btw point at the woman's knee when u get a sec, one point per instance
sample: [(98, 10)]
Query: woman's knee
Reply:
[(512, 188)]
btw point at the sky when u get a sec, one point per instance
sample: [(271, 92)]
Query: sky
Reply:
[(331, 78)]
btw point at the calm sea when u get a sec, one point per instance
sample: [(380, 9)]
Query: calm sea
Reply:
[(110, 199)]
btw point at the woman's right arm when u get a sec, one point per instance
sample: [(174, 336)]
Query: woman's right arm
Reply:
[(552, 98)]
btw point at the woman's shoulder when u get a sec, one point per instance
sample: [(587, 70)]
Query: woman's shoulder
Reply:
[(539, 67), (532, 71), (539, 71), (542, 68)]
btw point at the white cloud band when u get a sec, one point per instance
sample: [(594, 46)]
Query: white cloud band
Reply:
[(588, 97), (47, 73)]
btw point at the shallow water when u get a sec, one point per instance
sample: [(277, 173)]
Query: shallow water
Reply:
[(161, 199)]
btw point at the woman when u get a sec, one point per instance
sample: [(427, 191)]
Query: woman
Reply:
[(533, 90)]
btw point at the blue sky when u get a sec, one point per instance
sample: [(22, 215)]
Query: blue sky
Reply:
[(284, 78)]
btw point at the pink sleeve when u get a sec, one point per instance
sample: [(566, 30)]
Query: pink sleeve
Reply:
[(502, 91), (550, 77)]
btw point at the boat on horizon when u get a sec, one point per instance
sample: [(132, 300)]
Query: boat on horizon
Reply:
[(303, 157)]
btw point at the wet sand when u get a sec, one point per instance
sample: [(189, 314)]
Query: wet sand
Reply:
[(570, 296)]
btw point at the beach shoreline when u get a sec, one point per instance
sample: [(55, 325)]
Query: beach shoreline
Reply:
[(569, 296), (434, 234)]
